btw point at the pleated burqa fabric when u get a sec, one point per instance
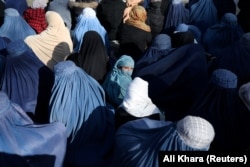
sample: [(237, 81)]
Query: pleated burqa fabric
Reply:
[(4, 41), (176, 79), (137, 143), (27, 81), (20, 5), (14, 26), (24, 143), (87, 21), (78, 101), (219, 104), (3, 53), (236, 58), (175, 15), (160, 46), (53, 44), (222, 34), (203, 14)]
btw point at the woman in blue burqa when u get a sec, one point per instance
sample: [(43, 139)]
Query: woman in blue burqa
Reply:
[(15, 27), (88, 21), (24, 143), (236, 58), (78, 101), (160, 46), (222, 34), (176, 14), (27, 81), (220, 105), (20, 5), (203, 14), (138, 142), (176, 79)]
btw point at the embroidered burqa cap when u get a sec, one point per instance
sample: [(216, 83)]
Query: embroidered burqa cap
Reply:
[(162, 42), (224, 78), (136, 101), (229, 19), (196, 132)]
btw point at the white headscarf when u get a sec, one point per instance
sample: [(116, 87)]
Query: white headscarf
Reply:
[(136, 101), (34, 4)]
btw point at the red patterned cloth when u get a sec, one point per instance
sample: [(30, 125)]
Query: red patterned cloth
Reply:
[(36, 19)]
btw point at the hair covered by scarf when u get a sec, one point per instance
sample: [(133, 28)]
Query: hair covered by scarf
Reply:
[(137, 18)]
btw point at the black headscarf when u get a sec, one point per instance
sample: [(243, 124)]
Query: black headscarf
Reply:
[(92, 57)]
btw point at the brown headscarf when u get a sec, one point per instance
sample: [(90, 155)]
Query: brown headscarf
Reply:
[(138, 17)]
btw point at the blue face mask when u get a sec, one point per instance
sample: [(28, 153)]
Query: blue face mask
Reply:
[(127, 72)]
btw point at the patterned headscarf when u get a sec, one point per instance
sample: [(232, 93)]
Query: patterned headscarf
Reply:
[(138, 17)]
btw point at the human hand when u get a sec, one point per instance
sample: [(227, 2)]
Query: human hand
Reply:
[(131, 3), (126, 14)]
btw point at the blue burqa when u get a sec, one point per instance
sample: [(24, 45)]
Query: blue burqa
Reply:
[(20, 5), (138, 142), (203, 14), (23, 143), (176, 14), (87, 21), (27, 81), (219, 104), (14, 26), (176, 80), (236, 58), (78, 101), (222, 34), (160, 46)]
